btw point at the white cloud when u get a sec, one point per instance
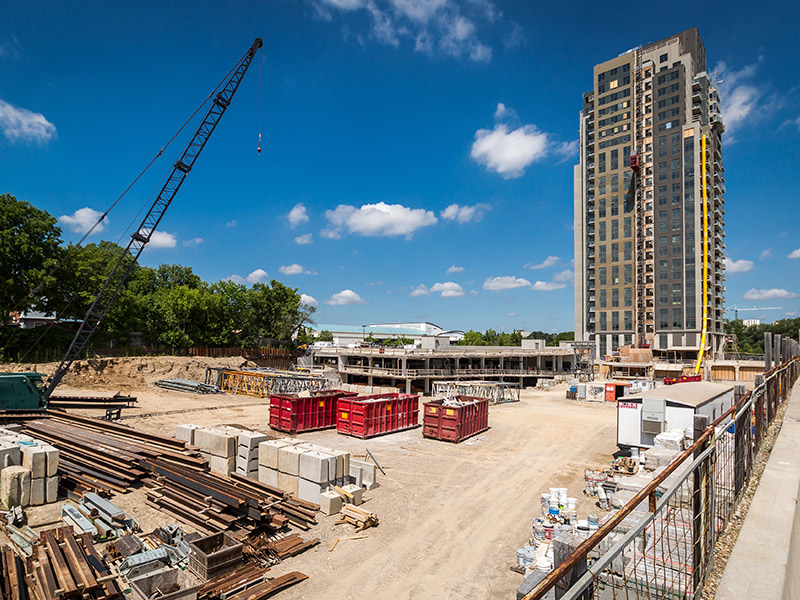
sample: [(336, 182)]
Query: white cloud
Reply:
[(448, 289), (508, 153), (742, 100), (770, 294), (235, 279), (512, 314), (765, 254), (547, 286), (295, 269), (379, 219), (473, 292), (548, 262), (82, 219), (305, 238), (308, 300), (738, 266), (420, 290), (794, 254), (193, 243), (454, 269), (23, 125), (231, 223), (344, 298), (257, 276), (464, 214), (434, 27), (297, 215), (506, 282), (564, 276), (162, 239)]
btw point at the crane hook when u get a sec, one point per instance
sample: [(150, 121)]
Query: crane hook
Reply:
[(259, 144)]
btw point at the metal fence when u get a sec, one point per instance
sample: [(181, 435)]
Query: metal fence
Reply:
[(661, 544)]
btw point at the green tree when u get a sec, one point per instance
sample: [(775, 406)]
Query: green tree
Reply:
[(29, 249), (472, 338), (325, 336)]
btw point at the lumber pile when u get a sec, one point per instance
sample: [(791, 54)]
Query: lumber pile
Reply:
[(358, 517), (63, 565), (247, 582), (265, 549)]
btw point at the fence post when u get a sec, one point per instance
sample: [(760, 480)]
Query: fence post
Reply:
[(777, 352), (740, 444), (701, 508), (767, 351)]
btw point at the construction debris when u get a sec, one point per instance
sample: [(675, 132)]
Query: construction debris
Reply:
[(247, 583), (270, 549), (342, 539), (186, 385), (361, 519)]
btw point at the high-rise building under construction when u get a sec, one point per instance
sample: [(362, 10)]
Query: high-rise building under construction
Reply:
[(649, 229)]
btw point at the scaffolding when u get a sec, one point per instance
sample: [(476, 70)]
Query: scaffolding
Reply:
[(498, 392), (584, 360), (260, 383)]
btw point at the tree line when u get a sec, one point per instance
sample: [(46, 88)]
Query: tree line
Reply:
[(167, 306), (490, 337), (750, 338)]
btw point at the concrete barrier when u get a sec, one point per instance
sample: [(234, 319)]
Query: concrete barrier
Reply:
[(765, 563)]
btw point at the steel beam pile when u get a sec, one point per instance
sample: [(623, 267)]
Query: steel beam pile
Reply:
[(63, 566), (185, 385), (262, 383), (213, 503), (247, 582), (99, 456)]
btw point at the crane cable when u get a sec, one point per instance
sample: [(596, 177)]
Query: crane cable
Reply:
[(260, 64), (36, 289)]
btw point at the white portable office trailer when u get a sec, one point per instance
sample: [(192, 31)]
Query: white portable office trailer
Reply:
[(641, 417)]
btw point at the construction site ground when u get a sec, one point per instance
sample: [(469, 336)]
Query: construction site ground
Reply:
[(451, 515)]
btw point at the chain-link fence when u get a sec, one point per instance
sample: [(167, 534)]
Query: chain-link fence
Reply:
[(661, 544)]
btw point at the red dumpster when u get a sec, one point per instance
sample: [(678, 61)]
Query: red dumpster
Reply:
[(368, 416), (294, 414), (455, 423)]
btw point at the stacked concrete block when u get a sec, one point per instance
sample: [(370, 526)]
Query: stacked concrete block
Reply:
[(330, 503), (317, 472), (268, 461), (10, 454), (357, 493), (247, 453), (186, 433), (218, 447), (42, 462), (15, 486)]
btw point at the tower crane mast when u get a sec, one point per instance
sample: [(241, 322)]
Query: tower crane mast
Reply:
[(140, 238)]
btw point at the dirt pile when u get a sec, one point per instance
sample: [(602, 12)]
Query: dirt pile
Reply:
[(130, 373)]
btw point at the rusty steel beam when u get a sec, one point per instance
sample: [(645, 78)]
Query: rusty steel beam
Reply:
[(59, 565)]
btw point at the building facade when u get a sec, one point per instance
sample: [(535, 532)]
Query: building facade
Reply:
[(644, 245)]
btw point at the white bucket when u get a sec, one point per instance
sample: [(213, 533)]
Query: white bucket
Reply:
[(572, 503), (593, 522), (538, 529), (544, 564), (545, 503), (521, 557)]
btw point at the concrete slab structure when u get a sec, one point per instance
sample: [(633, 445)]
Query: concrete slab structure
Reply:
[(214, 442)]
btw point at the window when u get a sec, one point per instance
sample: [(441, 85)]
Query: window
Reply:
[(614, 275), (677, 318), (614, 229), (601, 210), (602, 254), (615, 256), (602, 298), (602, 160), (601, 234), (614, 160), (603, 323), (628, 252), (601, 185), (601, 275), (663, 318), (628, 296), (615, 141), (615, 321), (628, 321), (614, 177), (628, 274), (615, 298), (614, 97), (663, 58), (667, 76)]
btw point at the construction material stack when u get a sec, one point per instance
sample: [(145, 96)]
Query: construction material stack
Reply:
[(28, 470)]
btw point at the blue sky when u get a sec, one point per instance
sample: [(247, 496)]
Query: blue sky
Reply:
[(417, 154)]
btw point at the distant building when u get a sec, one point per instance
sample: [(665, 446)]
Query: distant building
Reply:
[(31, 319), (344, 335), (749, 322), (638, 200)]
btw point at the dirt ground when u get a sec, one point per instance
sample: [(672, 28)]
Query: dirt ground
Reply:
[(451, 515)]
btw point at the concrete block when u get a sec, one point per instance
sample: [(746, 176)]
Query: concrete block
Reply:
[(52, 460), (371, 486), (330, 503), (288, 483), (246, 464), (37, 491), (251, 439), (317, 466), (268, 476), (216, 443), (356, 475), (342, 461), (34, 458), (185, 433), (15, 486), (291, 441), (220, 465), (357, 492), (50, 489), (310, 491), (369, 472), (289, 460), (10, 455), (268, 453)]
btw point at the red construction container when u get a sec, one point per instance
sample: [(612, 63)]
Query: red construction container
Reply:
[(455, 424), (294, 414), (368, 416)]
